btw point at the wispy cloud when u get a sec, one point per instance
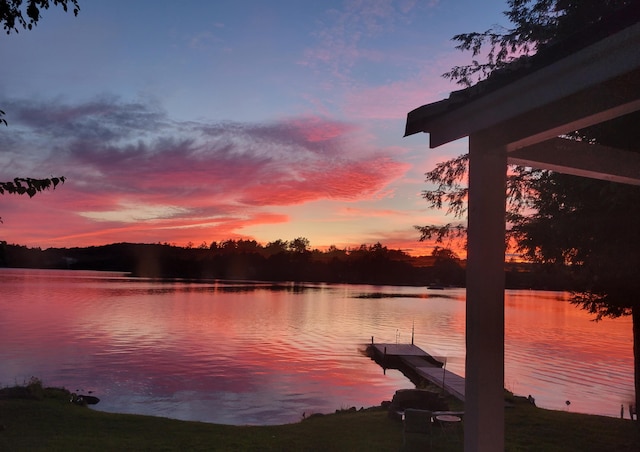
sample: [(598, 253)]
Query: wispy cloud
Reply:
[(129, 167), (350, 35)]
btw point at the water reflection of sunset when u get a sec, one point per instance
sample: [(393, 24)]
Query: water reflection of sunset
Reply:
[(592, 353), (267, 353)]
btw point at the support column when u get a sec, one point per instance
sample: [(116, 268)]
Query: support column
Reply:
[(484, 368)]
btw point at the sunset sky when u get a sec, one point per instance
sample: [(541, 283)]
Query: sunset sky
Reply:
[(200, 121)]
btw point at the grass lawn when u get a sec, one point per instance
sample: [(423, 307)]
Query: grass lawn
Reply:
[(44, 420)]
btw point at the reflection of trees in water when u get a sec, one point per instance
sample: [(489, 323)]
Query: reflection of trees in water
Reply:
[(199, 286), (292, 288), (403, 295)]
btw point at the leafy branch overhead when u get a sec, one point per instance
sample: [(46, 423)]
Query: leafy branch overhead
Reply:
[(13, 15), (536, 24), (29, 186), (451, 191)]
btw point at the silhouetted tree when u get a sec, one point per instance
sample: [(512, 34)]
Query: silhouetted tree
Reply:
[(446, 267), (536, 24), (14, 15), (591, 226), (277, 246), (29, 186), (229, 246), (248, 246), (299, 245), (333, 251)]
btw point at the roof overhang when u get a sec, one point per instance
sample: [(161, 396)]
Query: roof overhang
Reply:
[(596, 84), (580, 159)]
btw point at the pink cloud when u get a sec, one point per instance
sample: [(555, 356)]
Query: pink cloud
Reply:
[(359, 212), (336, 180), (316, 129), (184, 179)]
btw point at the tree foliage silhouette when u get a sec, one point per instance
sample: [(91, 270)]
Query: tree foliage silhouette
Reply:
[(588, 226), (16, 14), (28, 186), (535, 25)]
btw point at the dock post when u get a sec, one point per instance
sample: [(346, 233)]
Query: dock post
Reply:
[(371, 340)]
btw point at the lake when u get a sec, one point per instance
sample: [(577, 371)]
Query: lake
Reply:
[(261, 353)]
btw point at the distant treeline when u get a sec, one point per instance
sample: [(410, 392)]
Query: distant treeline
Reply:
[(277, 261)]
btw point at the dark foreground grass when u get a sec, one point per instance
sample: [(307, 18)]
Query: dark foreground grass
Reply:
[(46, 421)]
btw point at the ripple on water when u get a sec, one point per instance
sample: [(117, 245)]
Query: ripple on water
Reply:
[(260, 356)]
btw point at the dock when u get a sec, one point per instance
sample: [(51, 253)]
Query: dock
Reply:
[(412, 361)]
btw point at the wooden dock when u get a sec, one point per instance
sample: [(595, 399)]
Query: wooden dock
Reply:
[(409, 358)]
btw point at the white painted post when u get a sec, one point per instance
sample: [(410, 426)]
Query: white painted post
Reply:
[(484, 379)]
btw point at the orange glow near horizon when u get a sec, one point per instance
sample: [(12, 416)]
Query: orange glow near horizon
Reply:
[(24, 218)]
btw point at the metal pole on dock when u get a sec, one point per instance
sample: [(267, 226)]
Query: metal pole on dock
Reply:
[(444, 371), (413, 328)]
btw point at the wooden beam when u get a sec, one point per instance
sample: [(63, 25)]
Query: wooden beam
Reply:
[(484, 366), (599, 103), (580, 159)]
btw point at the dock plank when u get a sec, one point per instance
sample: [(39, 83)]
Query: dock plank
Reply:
[(400, 350), (450, 382)]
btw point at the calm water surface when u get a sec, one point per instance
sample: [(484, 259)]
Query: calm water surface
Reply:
[(265, 354)]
